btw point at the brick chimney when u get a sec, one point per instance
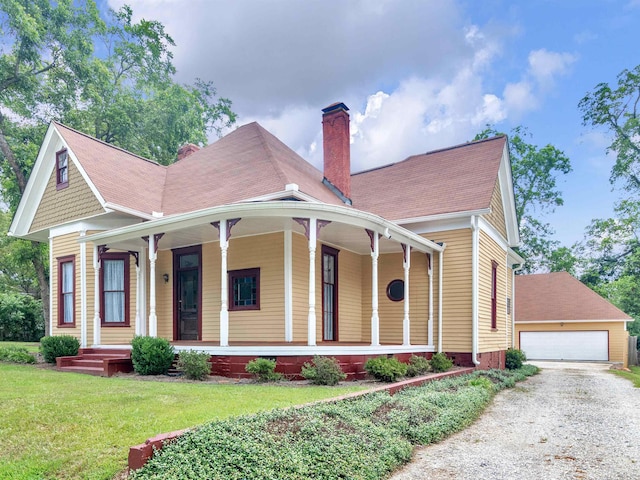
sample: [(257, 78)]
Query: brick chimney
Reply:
[(337, 156), (186, 150)]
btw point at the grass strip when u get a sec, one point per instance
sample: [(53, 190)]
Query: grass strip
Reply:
[(633, 375), (57, 425), (361, 438)]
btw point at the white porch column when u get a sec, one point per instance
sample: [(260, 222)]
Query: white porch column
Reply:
[(288, 286), (138, 295), (153, 256), (430, 324), (375, 319), (142, 290), (311, 319), (440, 261), (96, 296), (49, 327), (83, 292), (406, 323), (224, 286)]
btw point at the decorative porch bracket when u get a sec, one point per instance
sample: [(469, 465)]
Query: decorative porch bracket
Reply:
[(305, 222)]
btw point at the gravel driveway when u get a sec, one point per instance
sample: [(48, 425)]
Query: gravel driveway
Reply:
[(572, 421)]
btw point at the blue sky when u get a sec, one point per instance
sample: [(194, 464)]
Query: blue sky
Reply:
[(417, 75)]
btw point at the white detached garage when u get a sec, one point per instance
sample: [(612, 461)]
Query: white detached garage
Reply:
[(559, 318)]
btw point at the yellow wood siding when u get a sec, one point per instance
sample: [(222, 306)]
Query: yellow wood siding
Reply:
[(349, 297), (211, 291), (267, 253), (496, 217), (68, 245), (491, 340), (618, 336), (300, 266), (456, 290), (164, 294), (62, 246), (71, 203)]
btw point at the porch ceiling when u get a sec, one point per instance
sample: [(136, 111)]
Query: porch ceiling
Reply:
[(346, 228)]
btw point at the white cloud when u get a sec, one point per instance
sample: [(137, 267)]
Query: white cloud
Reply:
[(545, 66)]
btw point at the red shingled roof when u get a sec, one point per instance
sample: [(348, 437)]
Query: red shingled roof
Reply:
[(559, 296), (121, 177), (246, 163), (456, 179), (251, 162)]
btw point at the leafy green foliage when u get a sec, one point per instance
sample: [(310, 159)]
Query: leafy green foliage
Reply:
[(151, 355), (58, 346), (366, 437), (417, 366), (385, 369), (20, 317), (514, 358), (440, 362), (323, 371), (263, 369), (16, 355), (194, 365), (535, 182)]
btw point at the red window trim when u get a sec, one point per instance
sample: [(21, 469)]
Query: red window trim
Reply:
[(494, 295), (246, 272), (334, 252), (62, 260), (60, 184), (127, 290)]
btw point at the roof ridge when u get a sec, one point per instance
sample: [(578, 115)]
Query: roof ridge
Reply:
[(431, 152), (110, 145), (272, 158)]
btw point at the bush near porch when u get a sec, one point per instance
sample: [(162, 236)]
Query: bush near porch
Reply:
[(67, 425), (367, 437)]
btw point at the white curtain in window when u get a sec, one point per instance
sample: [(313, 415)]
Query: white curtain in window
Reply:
[(67, 291), (114, 291)]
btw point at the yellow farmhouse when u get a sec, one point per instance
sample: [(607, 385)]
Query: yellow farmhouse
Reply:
[(243, 249)]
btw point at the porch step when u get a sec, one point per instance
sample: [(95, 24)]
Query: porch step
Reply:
[(92, 361)]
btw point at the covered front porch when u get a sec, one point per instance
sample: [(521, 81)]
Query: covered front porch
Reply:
[(276, 279)]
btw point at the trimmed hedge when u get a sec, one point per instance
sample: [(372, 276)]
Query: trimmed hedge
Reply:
[(385, 369), (263, 370), (367, 437), (58, 346), (151, 355), (194, 365), (323, 371)]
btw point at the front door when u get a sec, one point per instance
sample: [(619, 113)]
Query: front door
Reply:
[(187, 293)]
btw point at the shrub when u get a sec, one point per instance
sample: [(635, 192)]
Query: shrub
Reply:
[(151, 355), (194, 365), (58, 346), (16, 355), (385, 369), (263, 369), (417, 366), (323, 371), (21, 317), (515, 358), (440, 362), (483, 382)]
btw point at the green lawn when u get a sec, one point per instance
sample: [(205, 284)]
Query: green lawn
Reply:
[(633, 375), (66, 425), (33, 347)]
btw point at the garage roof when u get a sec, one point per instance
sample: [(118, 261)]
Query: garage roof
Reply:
[(558, 296)]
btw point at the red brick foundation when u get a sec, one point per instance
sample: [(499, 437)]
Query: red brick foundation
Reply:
[(487, 360)]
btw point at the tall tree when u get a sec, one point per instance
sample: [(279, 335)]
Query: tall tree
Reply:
[(111, 78), (612, 246), (535, 181)]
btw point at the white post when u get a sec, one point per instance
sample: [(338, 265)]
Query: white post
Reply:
[(224, 286), (153, 319), (142, 290), (375, 320), (440, 261), (311, 320), (51, 282), (406, 323), (83, 292), (288, 286), (138, 295), (430, 324), (96, 297)]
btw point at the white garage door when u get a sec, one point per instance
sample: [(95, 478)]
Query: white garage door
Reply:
[(565, 345)]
